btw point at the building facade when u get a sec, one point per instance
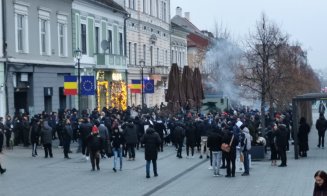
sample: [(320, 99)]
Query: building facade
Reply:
[(38, 52), (148, 45), (2, 67), (99, 32)]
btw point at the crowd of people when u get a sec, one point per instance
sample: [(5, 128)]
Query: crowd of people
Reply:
[(114, 133)]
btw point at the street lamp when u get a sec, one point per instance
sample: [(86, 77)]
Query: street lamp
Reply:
[(78, 56), (142, 65)]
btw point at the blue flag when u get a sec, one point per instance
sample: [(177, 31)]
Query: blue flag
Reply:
[(87, 85), (148, 86)]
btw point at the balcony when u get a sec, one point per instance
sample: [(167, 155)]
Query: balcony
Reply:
[(110, 61)]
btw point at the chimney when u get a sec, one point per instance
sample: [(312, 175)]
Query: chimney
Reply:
[(179, 11), (187, 16)]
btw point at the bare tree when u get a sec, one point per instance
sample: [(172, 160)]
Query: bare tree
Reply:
[(260, 71)]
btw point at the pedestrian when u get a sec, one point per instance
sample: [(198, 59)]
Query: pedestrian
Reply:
[(2, 170), (2, 132), (85, 130), (321, 126), (281, 143), (322, 108), (190, 138), (8, 130), (117, 140), (273, 145), (151, 141), (67, 136), (46, 132), (246, 146), (104, 134), (320, 187), (35, 134), (130, 135), (232, 141), (179, 134), (304, 130), (95, 145), (214, 143)]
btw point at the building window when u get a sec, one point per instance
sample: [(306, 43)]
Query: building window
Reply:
[(44, 23), (83, 39), (129, 53), (144, 6), (21, 27), (157, 8), (110, 41), (62, 35), (157, 56), (132, 4), (135, 53), (151, 8), (163, 11), (144, 53), (121, 44), (20, 32), (97, 40), (166, 57), (151, 56)]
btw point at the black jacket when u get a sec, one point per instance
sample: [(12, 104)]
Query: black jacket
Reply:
[(151, 140), (95, 142), (117, 139), (214, 141)]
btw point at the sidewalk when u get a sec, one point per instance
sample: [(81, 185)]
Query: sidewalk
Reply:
[(57, 176)]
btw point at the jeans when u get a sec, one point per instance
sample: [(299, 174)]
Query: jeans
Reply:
[(216, 156), (246, 162), (147, 167), (118, 154)]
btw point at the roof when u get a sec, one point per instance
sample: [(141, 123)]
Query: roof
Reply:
[(186, 24), (311, 96), (110, 3)]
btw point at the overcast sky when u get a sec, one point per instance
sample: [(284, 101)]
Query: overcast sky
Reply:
[(304, 20)]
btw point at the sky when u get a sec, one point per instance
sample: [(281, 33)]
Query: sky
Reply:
[(304, 21)]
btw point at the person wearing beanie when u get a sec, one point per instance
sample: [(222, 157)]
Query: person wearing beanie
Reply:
[(46, 132), (95, 145)]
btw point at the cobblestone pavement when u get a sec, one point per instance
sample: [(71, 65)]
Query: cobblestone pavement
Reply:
[(28, 176)]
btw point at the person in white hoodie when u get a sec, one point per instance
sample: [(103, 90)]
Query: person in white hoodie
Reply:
[(245, 141)]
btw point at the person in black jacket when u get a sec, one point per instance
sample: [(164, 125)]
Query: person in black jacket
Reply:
[(95, 145), (190, 137), (2, 133), (321, 126), (35, 135), (84, 131), (179, 134), (130, 136), (67, 136), (231, 139), (118, 142), (303, 133), (151, 141), (160, 128), (214, 143), (281, 143)]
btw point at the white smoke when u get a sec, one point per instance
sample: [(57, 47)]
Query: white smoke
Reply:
[(221, 63)]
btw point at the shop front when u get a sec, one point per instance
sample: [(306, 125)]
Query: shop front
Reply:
[(111, 89)]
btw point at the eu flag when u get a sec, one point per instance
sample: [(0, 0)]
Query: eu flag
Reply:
[(148, 86), (87, 85)]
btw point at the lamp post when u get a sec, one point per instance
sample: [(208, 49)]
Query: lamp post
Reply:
[(142, 65), (78, 56)]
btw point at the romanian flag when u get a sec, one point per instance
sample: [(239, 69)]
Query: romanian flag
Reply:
[(70, 85), (136, 86)]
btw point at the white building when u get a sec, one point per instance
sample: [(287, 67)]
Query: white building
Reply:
[(2, 68), (148, 44)]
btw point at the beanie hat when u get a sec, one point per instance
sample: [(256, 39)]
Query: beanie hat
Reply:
[(95, 129)]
